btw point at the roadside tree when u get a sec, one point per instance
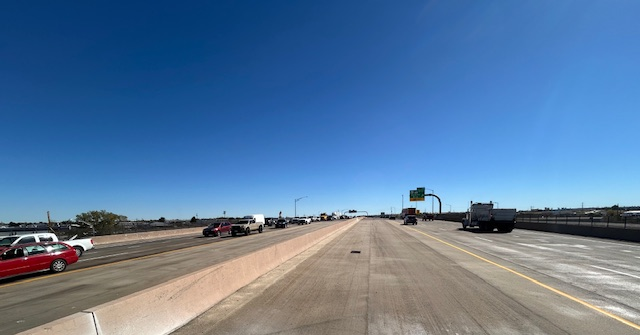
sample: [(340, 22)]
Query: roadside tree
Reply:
[(102, 222)]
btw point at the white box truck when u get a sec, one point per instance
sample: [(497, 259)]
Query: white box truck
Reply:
[(487, 218)]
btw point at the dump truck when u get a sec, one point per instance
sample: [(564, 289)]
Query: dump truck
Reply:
[(487, 218)]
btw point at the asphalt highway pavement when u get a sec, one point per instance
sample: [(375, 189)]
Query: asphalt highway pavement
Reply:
[(381, 277)]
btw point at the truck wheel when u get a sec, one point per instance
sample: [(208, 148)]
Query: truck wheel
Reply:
[(247, 232), (79, 250), (58, 265), (260, 229)]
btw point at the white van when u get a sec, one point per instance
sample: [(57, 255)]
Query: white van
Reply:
[(248, 224)]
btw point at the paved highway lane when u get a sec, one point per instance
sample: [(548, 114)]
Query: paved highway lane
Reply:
[(114, 271), (607, 272), (436, 279)]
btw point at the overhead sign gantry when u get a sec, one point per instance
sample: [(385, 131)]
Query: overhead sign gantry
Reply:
[(419, 195)]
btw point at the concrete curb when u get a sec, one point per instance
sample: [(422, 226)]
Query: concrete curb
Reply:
[(166, 307)]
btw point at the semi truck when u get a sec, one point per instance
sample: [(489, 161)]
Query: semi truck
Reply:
[(487, 218)]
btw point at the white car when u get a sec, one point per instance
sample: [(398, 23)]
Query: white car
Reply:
[(80, 244), (301, 220)]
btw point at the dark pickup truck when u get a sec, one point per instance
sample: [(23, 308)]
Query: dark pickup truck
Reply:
[(410, 219)]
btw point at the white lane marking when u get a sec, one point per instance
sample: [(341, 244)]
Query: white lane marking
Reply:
[(536, 246), (585, 238), (133, 246), (484, 239), (614, 271), (100, 257)]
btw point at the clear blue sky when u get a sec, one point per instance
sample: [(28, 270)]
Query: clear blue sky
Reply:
[(168, 108)]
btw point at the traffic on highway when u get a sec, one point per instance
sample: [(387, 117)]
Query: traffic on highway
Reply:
[(435, 277)]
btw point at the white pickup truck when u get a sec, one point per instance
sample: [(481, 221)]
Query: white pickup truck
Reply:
[(81, 245), (247, 224)]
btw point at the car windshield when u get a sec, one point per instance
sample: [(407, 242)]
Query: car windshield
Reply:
[(6, 241)]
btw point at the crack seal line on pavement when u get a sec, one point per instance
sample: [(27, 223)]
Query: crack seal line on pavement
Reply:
[(554, 290)]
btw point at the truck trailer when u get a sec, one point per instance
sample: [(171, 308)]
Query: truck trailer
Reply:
[(487, 218), (409, 211)]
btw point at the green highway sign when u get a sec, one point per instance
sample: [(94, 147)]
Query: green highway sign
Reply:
[(416, 195)]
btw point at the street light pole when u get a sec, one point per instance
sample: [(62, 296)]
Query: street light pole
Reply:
[(295, 206), (449, 207), (432, 192)]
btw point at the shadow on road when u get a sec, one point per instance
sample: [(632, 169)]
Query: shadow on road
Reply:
[(478, 231)]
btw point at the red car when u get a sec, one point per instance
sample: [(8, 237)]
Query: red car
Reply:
[(35, 257), (217, 228)]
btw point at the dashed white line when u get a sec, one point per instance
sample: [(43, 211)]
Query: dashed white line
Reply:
[(484, 239), (107, 256), (618, 272)]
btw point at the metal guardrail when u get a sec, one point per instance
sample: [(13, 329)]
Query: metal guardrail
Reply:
[(590, 221)]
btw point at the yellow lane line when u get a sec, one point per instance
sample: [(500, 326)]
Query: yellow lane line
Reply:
[(566, 295)]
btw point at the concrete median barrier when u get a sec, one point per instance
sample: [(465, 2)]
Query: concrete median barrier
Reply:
[(118, 238), (164, 308)]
